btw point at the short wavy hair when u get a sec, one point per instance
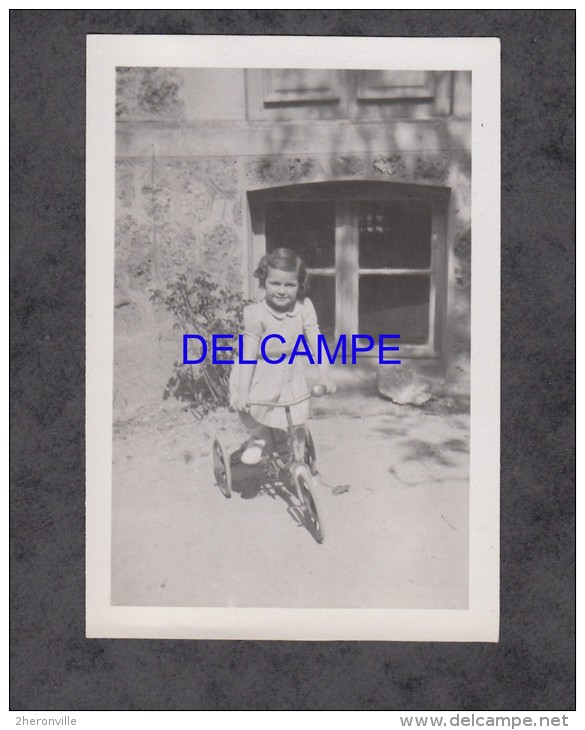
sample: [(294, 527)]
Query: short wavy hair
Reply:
[(284, 259)]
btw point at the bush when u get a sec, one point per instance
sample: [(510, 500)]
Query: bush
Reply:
[(203, 308)]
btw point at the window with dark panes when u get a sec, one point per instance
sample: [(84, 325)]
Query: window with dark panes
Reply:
[(375, 255), (395, 268), (309, 229)]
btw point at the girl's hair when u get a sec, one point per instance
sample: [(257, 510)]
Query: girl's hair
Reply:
[(286, 260)]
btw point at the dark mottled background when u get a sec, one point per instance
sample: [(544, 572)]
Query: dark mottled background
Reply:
[(53, 666)]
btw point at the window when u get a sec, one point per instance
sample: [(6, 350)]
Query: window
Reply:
[(375, 253), (295, 93)]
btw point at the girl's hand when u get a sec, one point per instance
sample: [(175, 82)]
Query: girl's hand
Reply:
[(328, 384), (239, 403)]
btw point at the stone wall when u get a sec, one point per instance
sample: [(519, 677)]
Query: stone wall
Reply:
[(177, 215)]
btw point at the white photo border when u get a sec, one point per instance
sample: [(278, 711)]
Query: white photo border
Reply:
[(481, 56)]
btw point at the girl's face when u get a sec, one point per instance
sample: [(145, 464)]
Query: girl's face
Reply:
[(281, 288)]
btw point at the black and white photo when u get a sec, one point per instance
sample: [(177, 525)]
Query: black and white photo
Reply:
[(344, 189)]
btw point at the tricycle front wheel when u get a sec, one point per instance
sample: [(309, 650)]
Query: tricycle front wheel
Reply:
[(310, 454), (306, 492)]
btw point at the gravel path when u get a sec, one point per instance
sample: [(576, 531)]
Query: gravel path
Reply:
[(398, 538)]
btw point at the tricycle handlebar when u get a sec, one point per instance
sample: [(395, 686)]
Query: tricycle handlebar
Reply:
[(276, 404), (317, 391)]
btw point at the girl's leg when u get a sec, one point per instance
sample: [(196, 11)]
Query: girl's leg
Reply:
[(258, 438), (258, 430)]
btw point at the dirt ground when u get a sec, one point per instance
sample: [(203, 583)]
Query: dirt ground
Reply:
[(397, 538)]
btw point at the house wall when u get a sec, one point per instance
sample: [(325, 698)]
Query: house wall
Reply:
[(191, 144)]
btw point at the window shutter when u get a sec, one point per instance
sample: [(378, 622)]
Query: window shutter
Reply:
[(395, 85), (298, 85)]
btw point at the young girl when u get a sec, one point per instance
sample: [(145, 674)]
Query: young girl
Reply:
[(286, 311)]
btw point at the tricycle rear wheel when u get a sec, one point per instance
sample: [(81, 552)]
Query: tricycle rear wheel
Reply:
[(221, 467)]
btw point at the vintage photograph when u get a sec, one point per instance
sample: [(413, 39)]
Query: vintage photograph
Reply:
[(292, 342)]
